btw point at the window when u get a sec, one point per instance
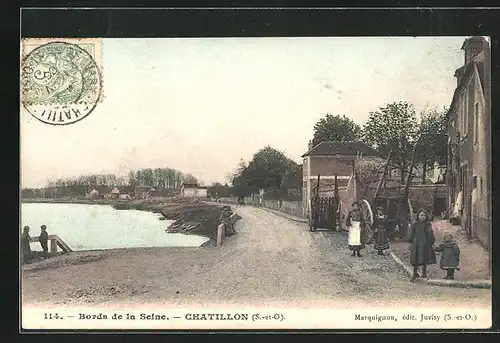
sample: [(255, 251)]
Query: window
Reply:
[(481, 185), (430, 171), (476, 123), (463, 112), (474, 181), (464, 187)]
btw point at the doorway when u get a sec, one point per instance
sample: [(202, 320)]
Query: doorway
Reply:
[(469, 216), (439, 206)]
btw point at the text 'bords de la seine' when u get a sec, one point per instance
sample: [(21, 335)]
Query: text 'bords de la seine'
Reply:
[(156, 316)]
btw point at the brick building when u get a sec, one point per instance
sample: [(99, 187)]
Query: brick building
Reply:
[(469, 147), (328, 159)]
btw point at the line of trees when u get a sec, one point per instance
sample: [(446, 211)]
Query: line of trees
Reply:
[(220, 190), (160, 178), (394, 127)]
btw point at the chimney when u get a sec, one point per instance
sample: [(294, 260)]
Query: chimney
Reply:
[(472, 47), (459, 73), (310, 145)]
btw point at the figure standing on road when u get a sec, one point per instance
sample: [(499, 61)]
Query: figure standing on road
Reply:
[(379, 228), (43, 239), (355, 225), (450, 257), (422, 240), (25, 244)]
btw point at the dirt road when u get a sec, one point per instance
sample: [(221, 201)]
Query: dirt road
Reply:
[(272, 261)]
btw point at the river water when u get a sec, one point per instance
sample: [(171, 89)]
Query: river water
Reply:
[(90, 227)]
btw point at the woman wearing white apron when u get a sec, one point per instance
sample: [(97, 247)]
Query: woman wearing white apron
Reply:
[(355, 225)]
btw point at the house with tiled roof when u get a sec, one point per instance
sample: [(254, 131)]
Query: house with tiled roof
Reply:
[(468, 177), (328, 159)]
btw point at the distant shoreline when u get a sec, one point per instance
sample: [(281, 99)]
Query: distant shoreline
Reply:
[(67, 201), (180, 210)]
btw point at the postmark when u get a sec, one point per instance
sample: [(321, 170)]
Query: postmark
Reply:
[(61, 82)]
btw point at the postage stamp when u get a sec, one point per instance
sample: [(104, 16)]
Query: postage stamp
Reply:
[(61, 79)]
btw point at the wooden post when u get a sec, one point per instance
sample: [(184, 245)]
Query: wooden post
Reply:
[(316, 196), (53, 246), (410, 172), (336, 207), (220, 231), (433, 205), (382, 177)]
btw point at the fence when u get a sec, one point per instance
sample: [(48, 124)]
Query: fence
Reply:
[(55, 241), (286, 206)]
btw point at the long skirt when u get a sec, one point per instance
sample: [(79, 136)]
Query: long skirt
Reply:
[(354, 240), (381, 240)]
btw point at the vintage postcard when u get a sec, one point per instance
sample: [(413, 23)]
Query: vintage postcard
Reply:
[(255, 183)]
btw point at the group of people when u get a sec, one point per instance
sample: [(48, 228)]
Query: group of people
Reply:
[(359, 232), (26, 240), (420, 236)]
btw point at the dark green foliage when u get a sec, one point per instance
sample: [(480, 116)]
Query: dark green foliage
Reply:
[(336, 128)]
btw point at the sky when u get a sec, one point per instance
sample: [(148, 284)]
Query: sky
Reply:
[(201, 105)]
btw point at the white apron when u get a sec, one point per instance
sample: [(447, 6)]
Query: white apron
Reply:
[(354, 234)]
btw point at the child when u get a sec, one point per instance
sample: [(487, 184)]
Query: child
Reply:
[(450, 257), (43, 239), (356, 236), (421, 238), (380, 230)]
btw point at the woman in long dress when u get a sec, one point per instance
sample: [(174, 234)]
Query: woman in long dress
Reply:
[(422, 240), (379, 228), (354, 223)]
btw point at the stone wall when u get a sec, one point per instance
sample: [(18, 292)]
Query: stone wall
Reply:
[(422, 196), (482, 231), (330, 166), (293, 208), (272, 204), (327, 185), (290, 207)]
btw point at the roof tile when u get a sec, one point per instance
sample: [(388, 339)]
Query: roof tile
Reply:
[(341, 148)]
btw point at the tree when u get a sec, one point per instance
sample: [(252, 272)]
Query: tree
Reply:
[(240, 187), (158, 178), (189, 179), (336, 128), (266, 169), (121, 181), (218, 189), (393, 128), (132, 179), (270, 170), (292, 179), (432, 147)]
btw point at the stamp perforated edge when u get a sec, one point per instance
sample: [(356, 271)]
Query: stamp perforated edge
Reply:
[(30, 44)]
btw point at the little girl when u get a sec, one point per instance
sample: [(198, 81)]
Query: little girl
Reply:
[(356, 236), (421, 238), (450, 257), (380, 229)]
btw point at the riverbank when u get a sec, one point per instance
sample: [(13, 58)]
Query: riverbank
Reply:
[(191, 216), (70, 200)]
